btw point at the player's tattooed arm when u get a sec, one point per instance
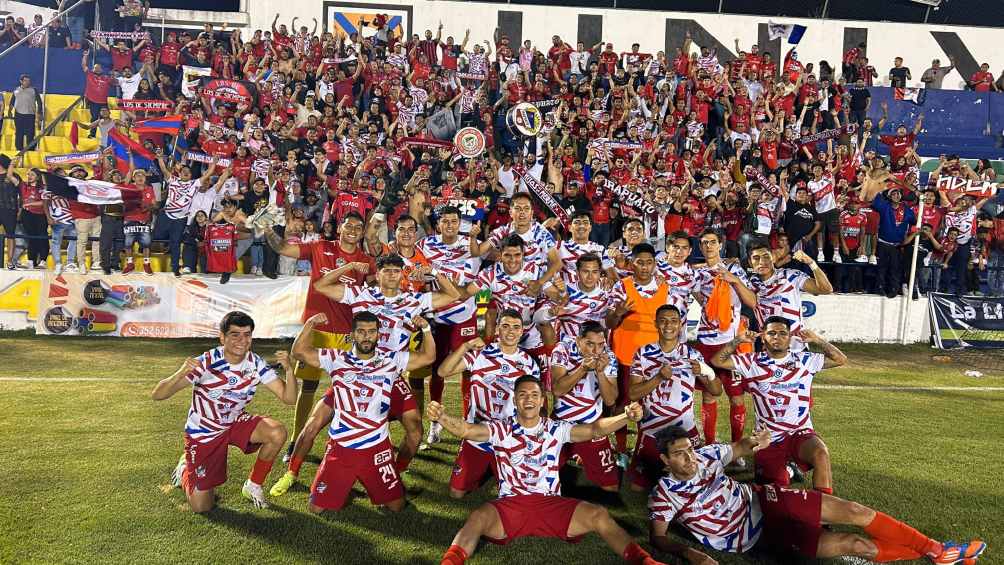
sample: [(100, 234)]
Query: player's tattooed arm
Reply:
[(834, 357), (167, 388), (456, 426), (279, 245), (657, 536), (723, 358)]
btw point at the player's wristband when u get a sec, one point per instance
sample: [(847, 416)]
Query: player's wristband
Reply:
[(427, 329)]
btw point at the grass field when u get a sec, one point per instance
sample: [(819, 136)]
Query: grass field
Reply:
[(86, 463)]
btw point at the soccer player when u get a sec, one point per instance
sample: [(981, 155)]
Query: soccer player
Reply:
[(779, 291), (726, 515), (678, 273), (722, 288), (223, 383), (540, 245), (458, 256), (494, 369), (363, 380), (780, 381), (396, 310), (584, 381), (570, 250), (587, 299), (325, 256), (663, 377), (529, 504)]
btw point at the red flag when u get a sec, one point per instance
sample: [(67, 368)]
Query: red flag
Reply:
[(74, 135)]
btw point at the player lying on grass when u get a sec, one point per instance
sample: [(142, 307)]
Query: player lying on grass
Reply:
[(223, 383), (527, 447), (779, 380), (363, 382), (729, 516)]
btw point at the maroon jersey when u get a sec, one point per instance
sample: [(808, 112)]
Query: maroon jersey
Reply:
[(221, 248)]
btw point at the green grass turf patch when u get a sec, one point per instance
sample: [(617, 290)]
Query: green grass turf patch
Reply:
[(85, 465)]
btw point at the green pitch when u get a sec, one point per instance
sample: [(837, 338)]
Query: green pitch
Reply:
[(85, 466)]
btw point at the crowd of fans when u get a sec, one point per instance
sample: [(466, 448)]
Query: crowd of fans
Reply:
[(340, 124)]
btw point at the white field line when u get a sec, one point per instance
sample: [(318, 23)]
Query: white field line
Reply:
[(457, 381)]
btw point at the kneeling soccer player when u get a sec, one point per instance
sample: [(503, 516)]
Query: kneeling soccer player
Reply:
[(729, 516), (223, 383), (527, 447)]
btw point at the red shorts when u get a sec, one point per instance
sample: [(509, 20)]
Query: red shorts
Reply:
[(535, 515), (542, 355), (731, 382), (471, 467), (871, 222), (449, 338), (341, 467), (646, 468), (206, 463), (791, 519), (772, 462), (597, 458), (401, 399), (623, 384)]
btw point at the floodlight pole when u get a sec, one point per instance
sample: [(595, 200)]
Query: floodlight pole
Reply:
[(904, 314)]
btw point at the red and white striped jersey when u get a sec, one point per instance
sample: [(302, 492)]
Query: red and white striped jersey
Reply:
[(720, 512), (221, 391), (708, 332), (537, 239), (569, 252), (823, 193), (362, 390), (526, 460), (454, 260), (672, 402), (583, 404), (493, 376), (179, 197), (59, 207), (395, 313), (509, 291), (582, 307), (780, 295), (780, 388), (682, 283)]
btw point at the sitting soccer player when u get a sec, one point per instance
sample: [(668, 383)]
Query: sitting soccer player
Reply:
[(224, 382), (527, 447), (734, 517)]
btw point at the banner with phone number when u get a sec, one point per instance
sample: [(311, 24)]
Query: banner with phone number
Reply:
[(163, 306)]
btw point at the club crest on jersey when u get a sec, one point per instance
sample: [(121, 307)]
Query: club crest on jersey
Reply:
[(200, 472), (232, 380), (321, 487)]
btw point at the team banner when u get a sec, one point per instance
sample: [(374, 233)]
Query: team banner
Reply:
[(163, 306), (540, 190), (133, 35), (236, 91), (71, 158), (545, 104), (425, 142), (627, 196), (470, 76), (191, 79), (848, 129), (754, 173), (957, 186), (966, 321), (209, 159), (211, 128), (136, 105)]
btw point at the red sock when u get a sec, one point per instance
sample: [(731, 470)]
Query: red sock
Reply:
[(454, 556), (893, 532), (295, 462), (620, 437), (709, 419), (635, 555), (436, 385), (888, 551), (737, 421), (402, 463), (260, 471)]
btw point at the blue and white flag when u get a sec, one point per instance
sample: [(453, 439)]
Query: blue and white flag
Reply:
[(792, 32)]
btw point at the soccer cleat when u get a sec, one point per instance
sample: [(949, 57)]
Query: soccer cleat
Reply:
[(179, 471), (283, 484), (130, 267), (952, 552), (435, 430), (254, 493), (147, 268), (795, 473)]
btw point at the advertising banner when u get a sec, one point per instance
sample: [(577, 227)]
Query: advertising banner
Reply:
[(967, 321)]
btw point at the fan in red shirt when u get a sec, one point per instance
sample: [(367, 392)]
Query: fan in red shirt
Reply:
[(326, 256), (221, 250), (982, 80), (902, 142)]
